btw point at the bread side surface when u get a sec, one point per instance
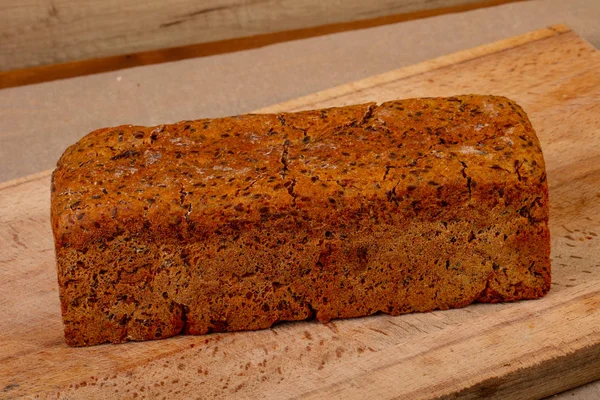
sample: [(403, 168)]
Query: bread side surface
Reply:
[(238, 223)]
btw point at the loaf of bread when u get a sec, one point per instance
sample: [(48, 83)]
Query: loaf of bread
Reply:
[(238, 223)]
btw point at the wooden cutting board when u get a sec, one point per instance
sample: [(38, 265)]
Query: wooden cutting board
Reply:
[(523, 350)]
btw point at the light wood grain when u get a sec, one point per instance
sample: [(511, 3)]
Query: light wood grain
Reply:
[(49, 31), (514, 351)]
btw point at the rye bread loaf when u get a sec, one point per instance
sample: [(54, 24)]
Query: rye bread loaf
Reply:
[(237, 223)]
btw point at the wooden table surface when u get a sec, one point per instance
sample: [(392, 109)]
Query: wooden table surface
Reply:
[(515, 351)]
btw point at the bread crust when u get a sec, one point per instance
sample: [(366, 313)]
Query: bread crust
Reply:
[(238, 223)]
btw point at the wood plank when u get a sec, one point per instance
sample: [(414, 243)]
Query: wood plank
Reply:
[(119, 34), (514, 351)]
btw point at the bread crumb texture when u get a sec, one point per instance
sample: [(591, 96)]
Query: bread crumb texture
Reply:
[(237, 223)]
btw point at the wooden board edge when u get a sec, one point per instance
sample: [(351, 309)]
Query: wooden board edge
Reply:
[(425, 66), (19, 76), (547, 378), (25, 179)]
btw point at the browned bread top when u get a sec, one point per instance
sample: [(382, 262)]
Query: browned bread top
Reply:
[(404, 157)]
